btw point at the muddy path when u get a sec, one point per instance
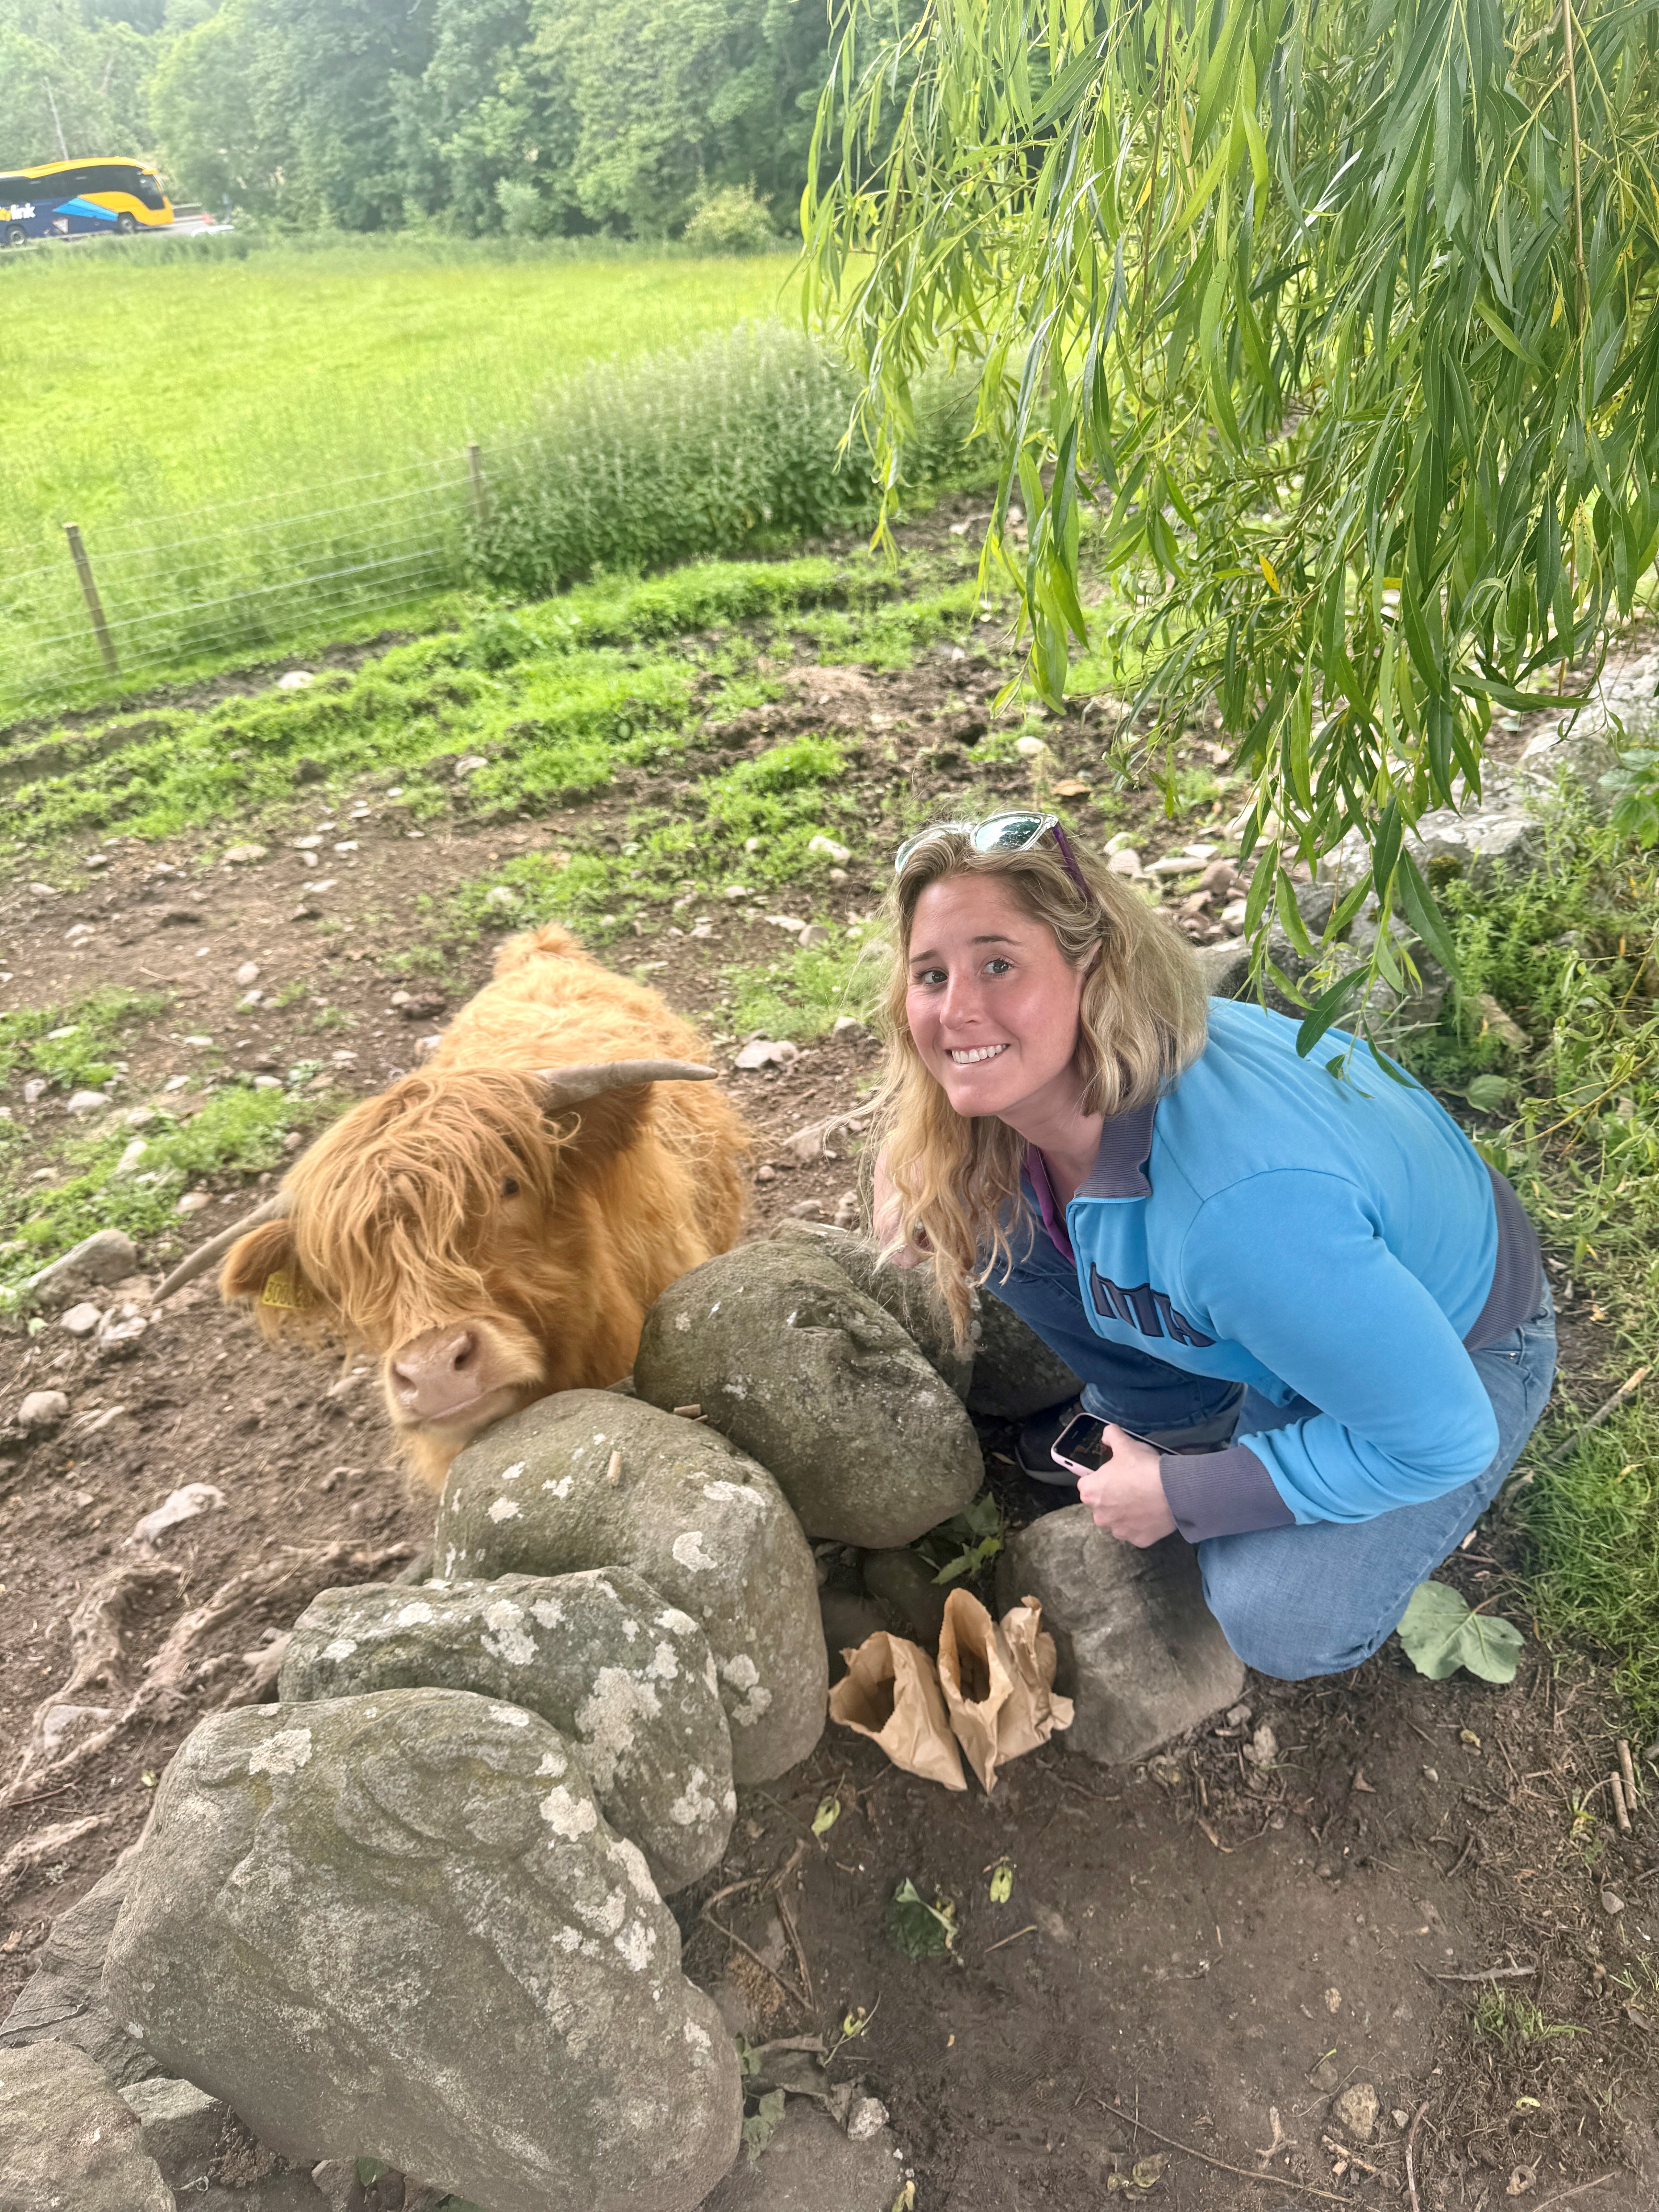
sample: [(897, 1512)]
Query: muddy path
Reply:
[(1201, 1952)]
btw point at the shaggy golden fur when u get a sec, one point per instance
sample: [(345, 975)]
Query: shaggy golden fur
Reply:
[(400, 1220)]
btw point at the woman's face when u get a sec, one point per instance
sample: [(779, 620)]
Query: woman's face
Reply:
[(992, 1002)]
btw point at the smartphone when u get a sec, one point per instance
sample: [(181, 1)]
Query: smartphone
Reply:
[(1081, 1447)]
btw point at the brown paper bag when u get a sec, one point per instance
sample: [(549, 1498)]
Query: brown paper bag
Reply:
[(999, 1682), (1034, 1710), (977, 1679), (890, 1692)]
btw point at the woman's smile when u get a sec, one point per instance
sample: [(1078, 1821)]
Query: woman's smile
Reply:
[(965, 1056)]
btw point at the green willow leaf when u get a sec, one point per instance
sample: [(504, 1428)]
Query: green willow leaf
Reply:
[(1346, 314)]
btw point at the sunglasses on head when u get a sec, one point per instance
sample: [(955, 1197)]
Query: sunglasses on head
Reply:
[(1015, 831)]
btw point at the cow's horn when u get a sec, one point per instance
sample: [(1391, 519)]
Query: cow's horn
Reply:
[(568, 1086), (198, 1261)]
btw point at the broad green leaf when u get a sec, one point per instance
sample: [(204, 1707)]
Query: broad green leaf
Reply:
[(919, 1929), (1490, 1094), (763, 2124), (828, 1813), (1440, 1634)]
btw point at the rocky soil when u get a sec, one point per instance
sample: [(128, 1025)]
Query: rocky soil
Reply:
[(1204, 1960)]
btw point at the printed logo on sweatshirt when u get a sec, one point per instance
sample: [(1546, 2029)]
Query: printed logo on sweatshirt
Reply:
[(1143, 1309)]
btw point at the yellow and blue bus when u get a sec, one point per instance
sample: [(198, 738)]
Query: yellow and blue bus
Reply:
[(69, 199)]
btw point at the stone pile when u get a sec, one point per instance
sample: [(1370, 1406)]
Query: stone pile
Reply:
[(412, 1913)]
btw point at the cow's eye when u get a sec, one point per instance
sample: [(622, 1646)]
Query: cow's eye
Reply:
[(510, 1187)]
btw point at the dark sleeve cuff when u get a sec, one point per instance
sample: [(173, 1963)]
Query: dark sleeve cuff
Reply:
[(1221, 1493)]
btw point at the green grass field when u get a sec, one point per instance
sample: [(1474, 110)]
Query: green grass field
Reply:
[(128, 393), (255, 449)]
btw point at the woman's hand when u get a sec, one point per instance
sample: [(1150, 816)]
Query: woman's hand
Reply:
[(1126, 1495), (888, 1209)]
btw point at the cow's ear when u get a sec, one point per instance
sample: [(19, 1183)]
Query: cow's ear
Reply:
[(600, 1127), (264, 1268)]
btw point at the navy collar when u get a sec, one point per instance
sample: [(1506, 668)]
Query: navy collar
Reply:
[(1126, 1146)]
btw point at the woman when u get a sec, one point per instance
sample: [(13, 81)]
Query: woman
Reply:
[(1314, 1321)]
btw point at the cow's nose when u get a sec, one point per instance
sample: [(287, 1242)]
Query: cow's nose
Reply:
[(437, 1373)]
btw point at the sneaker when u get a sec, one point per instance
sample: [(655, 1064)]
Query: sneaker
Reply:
[(1033, 1447)]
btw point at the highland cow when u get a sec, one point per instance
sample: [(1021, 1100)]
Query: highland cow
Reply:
[(495, 1226)]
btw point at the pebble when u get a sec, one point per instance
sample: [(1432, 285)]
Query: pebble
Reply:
[(846, 1026), (243, 856), (766, 1052), (198, 1040), (501, 897), (1356, 2109), (806, 1209), (1126, 861), (81, 1320), (766, 1175), (122, 1324), (35, 1090), (735, 891), (178, 1506), (42, 891), (866, 2117), (193, 1201), (297, 680), (848, 1213), (249, 999), (79, 934), (84, 1101), (470, 766), (94, 860), (1611, 1903), (267, 1083), (829, 850), (814, 933), (305, 844), (1030, 748), (140, 1118), (838, 875), (130, 1156), (248, 974), (349, 845), (42, 1409)]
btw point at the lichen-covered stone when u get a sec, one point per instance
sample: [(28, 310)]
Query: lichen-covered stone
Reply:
[(699, 1522), (820, 1384), (600, 1656), (66, 2139), (1015, 1374), (398, 1927), (909, 1294)]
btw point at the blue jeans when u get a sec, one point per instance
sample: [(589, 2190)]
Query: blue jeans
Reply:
[(1318, 1598)]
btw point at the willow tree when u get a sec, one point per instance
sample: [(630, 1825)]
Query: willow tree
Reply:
[(1339, 315)]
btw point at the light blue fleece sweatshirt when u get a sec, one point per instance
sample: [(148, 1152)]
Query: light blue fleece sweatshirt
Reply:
[(1333, 1240)]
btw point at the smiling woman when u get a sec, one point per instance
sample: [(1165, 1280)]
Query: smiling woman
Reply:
[(1353, 1336)]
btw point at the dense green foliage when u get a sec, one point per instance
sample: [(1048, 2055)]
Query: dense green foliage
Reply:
[(1345, 320), (527, 117)]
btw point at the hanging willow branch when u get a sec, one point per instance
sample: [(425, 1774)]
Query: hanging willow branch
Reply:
[(1341, 316)]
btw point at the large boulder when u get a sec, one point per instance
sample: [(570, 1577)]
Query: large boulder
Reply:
[(820, 1384), (398, 1927), (67, 2142), (591, 1479), (909, 1294), (62, 2002), (1138, 1651), (599, 1655), (1015, 1374)]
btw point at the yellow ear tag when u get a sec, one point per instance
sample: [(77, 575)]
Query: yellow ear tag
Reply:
[(283, 1289)]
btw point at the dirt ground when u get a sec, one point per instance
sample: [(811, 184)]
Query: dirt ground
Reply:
[(1197, 1952)]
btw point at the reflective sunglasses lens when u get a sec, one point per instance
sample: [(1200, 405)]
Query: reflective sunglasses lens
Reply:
[(1009, 833)]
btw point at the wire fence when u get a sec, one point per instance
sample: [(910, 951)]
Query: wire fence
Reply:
[(147, 597)]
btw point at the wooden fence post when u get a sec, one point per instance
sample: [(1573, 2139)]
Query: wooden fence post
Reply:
[(95, 605), (480, 490)]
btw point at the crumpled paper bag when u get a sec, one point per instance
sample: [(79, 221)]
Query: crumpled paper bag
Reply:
[(891, 1693), (998, 1680)]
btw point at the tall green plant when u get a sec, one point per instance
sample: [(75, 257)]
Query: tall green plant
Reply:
[(1341, 316)]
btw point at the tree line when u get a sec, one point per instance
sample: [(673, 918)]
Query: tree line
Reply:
[(537, 117)]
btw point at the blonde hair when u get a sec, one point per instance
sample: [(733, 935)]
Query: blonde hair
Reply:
[(1141, 1021)]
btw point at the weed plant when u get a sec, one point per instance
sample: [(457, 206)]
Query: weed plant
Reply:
[(732, 443), (805, 993), (75, 1046), (1567, 952)]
